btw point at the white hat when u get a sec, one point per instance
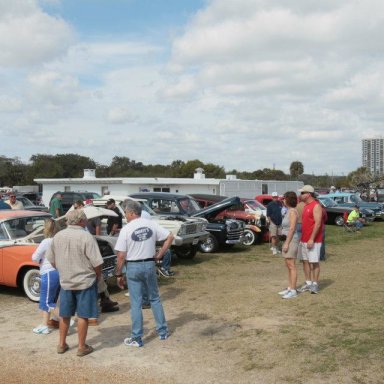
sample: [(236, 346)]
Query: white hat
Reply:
[(274, 194), (307, 188)]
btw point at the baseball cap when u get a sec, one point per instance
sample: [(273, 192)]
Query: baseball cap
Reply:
[(307, 188), (274, 194)]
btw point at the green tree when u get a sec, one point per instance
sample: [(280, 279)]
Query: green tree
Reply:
[(60, 166), (296, 169)]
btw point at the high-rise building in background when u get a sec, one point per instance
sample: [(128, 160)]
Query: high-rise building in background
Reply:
[(373, 155)]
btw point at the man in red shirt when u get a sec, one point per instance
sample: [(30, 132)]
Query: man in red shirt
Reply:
[(311, 239)]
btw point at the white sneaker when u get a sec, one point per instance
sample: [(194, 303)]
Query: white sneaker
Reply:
[(274, 251), (126, 294), (283, 292), (290, 294), (41, 330)]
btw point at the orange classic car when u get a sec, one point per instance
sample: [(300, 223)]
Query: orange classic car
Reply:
[(18, 241), (20, 233)]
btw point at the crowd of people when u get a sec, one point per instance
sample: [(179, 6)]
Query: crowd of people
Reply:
[(71, 275), (70, 261)]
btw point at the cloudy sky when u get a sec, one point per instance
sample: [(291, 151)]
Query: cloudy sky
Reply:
[(244, 84)]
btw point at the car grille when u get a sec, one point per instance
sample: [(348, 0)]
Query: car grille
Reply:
[(109, 262), (190, 228), (235, 229)]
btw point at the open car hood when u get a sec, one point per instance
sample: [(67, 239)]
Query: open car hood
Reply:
[(215, 209)]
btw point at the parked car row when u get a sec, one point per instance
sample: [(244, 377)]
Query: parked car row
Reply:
[(198, 222)]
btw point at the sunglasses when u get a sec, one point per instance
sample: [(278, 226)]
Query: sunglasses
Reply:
[(303, 193)]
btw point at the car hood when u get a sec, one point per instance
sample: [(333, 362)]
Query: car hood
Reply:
[(215, 209)]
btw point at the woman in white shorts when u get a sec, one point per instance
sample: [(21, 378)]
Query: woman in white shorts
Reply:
[(290, 246)]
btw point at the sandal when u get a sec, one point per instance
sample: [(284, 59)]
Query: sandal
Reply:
[(62, 349), (85, 351)]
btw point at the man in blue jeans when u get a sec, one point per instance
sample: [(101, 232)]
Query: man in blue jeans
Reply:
[(136, 246)]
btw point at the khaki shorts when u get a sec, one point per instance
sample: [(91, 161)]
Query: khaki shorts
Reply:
[(292, 250), (311, 255), (274, 230)]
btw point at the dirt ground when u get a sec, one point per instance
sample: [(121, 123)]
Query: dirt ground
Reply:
[(227, 323)]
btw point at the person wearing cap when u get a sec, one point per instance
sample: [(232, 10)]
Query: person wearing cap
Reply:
[(114, 224), (311, 239), (355, 219), (275, 218)]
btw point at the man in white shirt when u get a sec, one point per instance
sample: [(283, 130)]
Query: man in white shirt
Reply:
[(136, 246)]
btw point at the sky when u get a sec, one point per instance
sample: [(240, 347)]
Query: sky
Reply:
[(243, 84)]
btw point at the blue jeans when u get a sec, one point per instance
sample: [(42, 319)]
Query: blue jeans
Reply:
[(141, 277), (166, 264), (166, 261)]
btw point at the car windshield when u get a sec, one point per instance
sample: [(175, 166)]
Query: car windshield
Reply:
[(26, 202), (189, 206), (147, 208), (328, 202), (255, 205), (20, 227), (91, 195)]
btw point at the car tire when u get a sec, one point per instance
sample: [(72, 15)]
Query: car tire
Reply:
[(31, 283), (209, 245), (185, 251), (249, 237), (339, 220)]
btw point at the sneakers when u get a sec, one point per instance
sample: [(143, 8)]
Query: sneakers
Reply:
[(315, 288), (41, 330), (163, 272), (274, 251), (283, 292), (146, 306), (305, 287), (130, 342), (290, 294), (164, 337), (126, 294)]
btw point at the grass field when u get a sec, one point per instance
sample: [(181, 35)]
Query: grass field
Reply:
[(228, 324), (333, 337)]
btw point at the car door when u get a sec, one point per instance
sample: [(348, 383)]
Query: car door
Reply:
[(3, 237)]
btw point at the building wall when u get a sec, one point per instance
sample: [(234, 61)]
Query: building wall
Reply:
[(252, 188), (373, 155), (50, 187)]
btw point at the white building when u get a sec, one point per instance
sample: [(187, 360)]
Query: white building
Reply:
[(373, 155), (198, 184)]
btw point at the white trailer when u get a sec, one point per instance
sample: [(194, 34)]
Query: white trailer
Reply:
[(252, 188)]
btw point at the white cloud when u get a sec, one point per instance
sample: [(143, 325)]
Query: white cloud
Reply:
[(28, 36), (120, 116), (247, 84)]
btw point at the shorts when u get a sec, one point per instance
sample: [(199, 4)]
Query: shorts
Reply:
[(49, 289), (274, 230), (292, 250), (311, 255), (83, 302)]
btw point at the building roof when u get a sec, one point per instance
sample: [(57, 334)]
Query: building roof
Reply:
[(130, 180)]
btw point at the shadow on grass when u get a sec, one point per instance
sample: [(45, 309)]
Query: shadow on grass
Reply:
[(325, 283)]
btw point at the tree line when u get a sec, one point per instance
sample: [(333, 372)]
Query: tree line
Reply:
[(15, 172)]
